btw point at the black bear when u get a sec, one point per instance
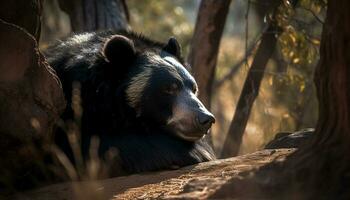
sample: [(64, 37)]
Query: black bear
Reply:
[(137, 97)]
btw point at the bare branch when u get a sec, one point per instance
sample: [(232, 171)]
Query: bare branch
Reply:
[(314, 14), (235, 67)]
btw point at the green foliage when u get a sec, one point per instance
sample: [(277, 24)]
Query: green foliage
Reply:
[(314, 5), (298, 45), (297, 48)]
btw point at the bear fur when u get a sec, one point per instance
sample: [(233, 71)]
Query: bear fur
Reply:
[(120, 100)]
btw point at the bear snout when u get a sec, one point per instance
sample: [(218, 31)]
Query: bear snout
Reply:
[(205, 120)]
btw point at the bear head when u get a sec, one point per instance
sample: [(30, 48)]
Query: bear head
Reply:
[(157, 87)]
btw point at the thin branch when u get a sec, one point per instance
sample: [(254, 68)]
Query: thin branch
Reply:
[(247, 33), (235, 67), (251, 88), (314, 14)]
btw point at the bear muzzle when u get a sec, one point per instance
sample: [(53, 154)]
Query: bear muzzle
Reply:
[(191, 121), (204, 120)]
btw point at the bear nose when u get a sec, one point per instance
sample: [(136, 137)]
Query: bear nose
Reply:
[(206, 119)]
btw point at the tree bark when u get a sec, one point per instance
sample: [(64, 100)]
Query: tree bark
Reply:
[(320, 168), (25, 14), (325, 162), (31, 100), (31, 97), (205, 44), (251, 88), (92, 15)]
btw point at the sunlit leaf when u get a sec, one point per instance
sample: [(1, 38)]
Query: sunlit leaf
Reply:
[(271, 81), (292, 37), (291, 54), (285, 115), (296, 60), (302, 87), (315, 41)]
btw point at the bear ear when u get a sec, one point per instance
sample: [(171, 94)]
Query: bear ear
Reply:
[(119, 50), (173, 47)]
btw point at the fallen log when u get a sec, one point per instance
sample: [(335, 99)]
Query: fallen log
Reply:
[(199, 181)]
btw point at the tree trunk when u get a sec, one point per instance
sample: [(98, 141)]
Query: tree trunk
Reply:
[(262, 10), (31, 97), (325, 162), (320, 168), (205, 44), (92, 15), (31, 100), (25, 14), (251, 88)]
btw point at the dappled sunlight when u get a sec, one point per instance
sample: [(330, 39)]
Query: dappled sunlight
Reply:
[(286, 101), (269, 114), (119, 96)]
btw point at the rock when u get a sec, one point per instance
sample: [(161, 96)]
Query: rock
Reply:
[(31, 100), (199, 181), (290, 140)]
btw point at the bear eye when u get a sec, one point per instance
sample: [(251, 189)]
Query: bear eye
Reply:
[(171, 89), (194, 89)]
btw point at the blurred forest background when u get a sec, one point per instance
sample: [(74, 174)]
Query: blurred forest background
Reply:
[(286, 100)]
